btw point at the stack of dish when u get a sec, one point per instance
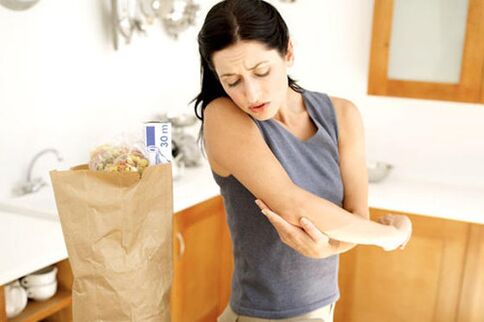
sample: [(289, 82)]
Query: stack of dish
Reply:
[(42, 284)]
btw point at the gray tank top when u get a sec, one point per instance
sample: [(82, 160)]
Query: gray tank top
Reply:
[(270, 279)]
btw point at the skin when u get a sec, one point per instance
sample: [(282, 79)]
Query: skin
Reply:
[(251, 75)]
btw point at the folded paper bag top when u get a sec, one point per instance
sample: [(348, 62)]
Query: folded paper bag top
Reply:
[(118, 232)]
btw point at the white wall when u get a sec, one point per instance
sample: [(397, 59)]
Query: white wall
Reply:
[(62, 85)]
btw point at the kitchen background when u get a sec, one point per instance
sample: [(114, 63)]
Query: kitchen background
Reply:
[(62, 85)]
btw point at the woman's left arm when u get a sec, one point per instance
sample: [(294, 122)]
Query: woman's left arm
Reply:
[(352, 156), (351, 145)]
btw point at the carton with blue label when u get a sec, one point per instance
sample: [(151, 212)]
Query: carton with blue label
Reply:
[(158, 142)]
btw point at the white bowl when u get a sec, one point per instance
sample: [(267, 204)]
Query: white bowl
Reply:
[(42, 292), (43, 276), (378, 170), (15, 299)]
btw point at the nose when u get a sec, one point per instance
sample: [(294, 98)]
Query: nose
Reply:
[(251, 92)]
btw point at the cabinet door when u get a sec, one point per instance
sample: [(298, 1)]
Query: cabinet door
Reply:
[(471, 308), (202, 262), (428, 49), (420, 283)]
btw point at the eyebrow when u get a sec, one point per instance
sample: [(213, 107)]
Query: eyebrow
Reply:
[(257, 65)]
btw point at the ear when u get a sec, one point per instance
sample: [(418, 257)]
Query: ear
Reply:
[(290, 54)]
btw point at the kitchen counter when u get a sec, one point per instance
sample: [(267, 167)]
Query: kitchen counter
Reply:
[(196, 185), (433, 199), (29, 242)]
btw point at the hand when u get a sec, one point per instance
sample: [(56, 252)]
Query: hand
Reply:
[(308, 240), (403, 226)]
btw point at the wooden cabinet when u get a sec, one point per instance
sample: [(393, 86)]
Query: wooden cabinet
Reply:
[(202, 259), (56, 309), (471, 303), (468, 85), (202, 262), (438, 277)]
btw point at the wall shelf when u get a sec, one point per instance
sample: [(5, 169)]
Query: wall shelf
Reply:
[(38, 310), (58, 308)]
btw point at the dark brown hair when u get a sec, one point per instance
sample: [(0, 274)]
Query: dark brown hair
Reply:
[(228, 22)]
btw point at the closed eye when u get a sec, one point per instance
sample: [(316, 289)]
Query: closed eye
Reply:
[(263, 74), (234, 83)]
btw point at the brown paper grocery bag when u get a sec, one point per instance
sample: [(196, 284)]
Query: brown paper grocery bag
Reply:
[(118, 232)]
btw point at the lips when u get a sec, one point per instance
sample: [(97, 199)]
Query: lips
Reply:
[(258, 107)]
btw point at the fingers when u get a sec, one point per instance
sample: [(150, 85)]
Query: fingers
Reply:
[(285, 228), (406, 242), (312, 230), (334, 242), (261, 204), (289, 234), (277, 221), (306, 240), (385, 220)]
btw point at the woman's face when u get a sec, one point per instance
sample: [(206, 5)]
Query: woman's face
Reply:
[(254, 77)]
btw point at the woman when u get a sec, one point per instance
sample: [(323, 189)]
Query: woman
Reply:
[(298, 153)]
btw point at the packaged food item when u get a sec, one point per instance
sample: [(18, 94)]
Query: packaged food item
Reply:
[(158, 142), (128, 153), (117, 158)]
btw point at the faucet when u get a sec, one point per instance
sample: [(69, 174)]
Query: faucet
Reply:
[(34, 185)]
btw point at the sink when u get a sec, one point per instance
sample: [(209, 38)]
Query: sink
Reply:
[(37, 204), (186, 192)]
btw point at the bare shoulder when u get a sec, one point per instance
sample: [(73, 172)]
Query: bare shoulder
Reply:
[(225, 126), (348, 116), (344, 108), (220, 107), (223, 116)]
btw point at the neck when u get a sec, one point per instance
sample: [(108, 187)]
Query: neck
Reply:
[(291, 108)]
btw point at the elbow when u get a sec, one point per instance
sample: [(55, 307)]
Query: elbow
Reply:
[(295, 207), (286, 203)]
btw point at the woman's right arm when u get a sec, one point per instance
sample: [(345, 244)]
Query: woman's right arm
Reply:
[(233, 141)]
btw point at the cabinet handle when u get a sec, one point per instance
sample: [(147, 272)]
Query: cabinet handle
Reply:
[(179, 236)]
